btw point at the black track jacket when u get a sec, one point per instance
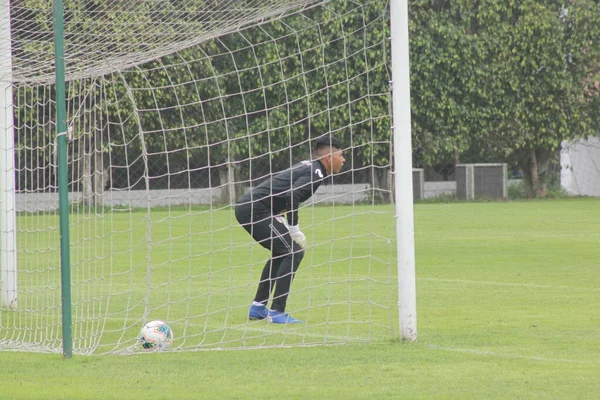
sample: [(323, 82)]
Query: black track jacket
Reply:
[(284, 191)]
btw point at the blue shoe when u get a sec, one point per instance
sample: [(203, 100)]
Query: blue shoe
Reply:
[(278, 317), (257, 312)]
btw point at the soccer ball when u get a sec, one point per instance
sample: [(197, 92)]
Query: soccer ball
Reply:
[(156, 335)]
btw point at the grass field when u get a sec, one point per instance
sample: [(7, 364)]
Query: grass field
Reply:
[(198, 270), (508, 298)]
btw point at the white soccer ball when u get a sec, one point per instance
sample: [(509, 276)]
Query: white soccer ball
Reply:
[(156, 335)]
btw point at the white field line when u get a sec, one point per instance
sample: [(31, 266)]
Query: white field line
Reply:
[(485, 353), (337, 340), (298, 331), (528, 285)]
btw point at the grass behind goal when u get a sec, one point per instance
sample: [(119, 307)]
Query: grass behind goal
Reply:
[(508, 309)]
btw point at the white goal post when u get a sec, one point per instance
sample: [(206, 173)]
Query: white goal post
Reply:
[(407, 302), (174, 110), (8, 230)]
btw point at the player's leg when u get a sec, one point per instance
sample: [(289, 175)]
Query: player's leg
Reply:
[(272, 233), (255, 220), (283, 247), (284, 277), (267, 280)]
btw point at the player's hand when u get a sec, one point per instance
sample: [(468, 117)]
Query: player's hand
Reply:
[(298, 236)]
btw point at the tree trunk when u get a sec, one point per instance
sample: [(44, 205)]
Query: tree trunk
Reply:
[(228, 177), (531, 167), (381, 183), (86, 178), (100, 175), (88, 150)]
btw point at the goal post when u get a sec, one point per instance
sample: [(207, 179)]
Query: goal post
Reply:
[(8, 230), (174, 110), (63, 179), (407, 298)]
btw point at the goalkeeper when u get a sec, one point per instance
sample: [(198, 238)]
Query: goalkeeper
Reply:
[(260, 212)]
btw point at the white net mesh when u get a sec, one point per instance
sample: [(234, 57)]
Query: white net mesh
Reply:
[(107, 36), (176, 108)]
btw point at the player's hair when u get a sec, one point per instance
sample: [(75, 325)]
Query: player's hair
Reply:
[(325, 141)]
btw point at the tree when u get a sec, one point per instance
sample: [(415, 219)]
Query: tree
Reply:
[(503, 80), (538, 70), (447, 53)]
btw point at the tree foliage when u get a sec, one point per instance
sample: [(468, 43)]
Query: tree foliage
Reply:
[(491, 80), (504, 80)]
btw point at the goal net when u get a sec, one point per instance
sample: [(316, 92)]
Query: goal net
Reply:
[(175, 109)]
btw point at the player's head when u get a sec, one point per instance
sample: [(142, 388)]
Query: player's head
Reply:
[(328, 149)]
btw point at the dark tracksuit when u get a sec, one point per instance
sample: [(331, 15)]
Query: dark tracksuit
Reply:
[(259, 212)]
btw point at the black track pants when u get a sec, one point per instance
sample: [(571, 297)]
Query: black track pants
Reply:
[(286, 255)]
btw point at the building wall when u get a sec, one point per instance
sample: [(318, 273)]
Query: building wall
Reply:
[(580, 167)]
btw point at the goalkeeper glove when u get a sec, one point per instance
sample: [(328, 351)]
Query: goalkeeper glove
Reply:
[(298, 236)]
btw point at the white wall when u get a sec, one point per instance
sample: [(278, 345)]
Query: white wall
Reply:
[(34, 202), (580, 167), (436, 189), (340, 194)]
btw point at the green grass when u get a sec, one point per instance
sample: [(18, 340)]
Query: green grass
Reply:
[(198, 270), (508, 308)]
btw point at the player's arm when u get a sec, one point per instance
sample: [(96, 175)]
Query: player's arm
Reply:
[(302, 189)]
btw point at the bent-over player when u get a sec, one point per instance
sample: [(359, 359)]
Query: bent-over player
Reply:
[(260, 212)]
